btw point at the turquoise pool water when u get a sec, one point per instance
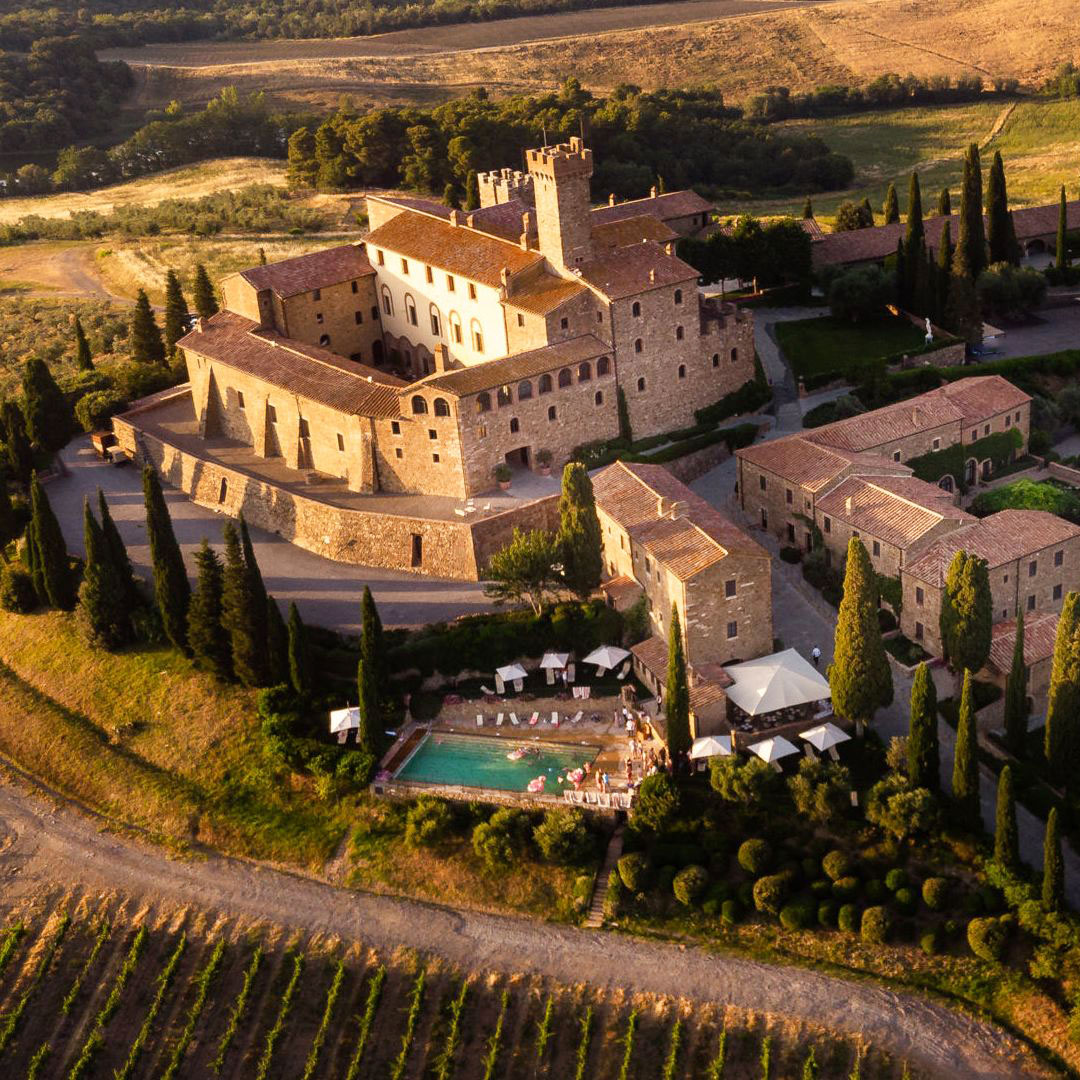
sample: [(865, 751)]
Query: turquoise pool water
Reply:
[(480, 761)]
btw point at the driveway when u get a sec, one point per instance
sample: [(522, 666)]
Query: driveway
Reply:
[(327, 593), (1057, 329)]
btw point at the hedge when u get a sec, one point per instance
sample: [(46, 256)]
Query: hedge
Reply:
[(750, 397)]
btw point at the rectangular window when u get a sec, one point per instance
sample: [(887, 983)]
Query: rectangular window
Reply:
[(648, 565), (729, 587), (398, 453), (429, 277), (919, 631), (223, 490), (380, 258), (1018, 417), (318, 317), (271, 414), (732, 630), (827, 525), (1059, 557), (789, 496), (478, 341), (481, 431), (417, 549), (316, 294), (1057, 592), (395, 427), (896, 455), (521, 319), (936, 444), (405, 266), (877, 549), (455, 328), (356, 286), (564, 323), (436, 329), (1031, 603), (432, 433), (986, 429), (305, 432), (974, 434), (340, 441), (449, 282), (920, 596), (1008, 421), (761, 482), (1033, 568), (472, 291), (239, 400), (359, 316), (435, 458)]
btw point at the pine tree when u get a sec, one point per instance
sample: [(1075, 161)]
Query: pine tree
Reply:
[(944, 203), (176, 311), (1062, 259), (118, 553), (84, 361), (18, 453), (580, 543), (924, 763), (999, 233), (242, 614), (1006, 840), (172, 590), (859, 676), (970, 257), (1053, 882), (891, 207), (1061, 741), (202, 293), (966, 613), (965, 777), (144, 336), (370, 677), (472, 191), (50, 551), (677, 692), (49, 419), (1016, 696), (299, 657), (303, 168), (808, 209), (207, 637), (277, 645), (103, 606)]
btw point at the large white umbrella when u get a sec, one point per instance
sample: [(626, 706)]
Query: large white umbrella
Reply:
[(344, 720), (511, 672), (607, 656), (555, 660), (825, 737), (775, 682), (772, 750), (711, 746)]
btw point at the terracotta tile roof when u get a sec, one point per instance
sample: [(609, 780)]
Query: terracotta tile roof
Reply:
[(502, 219), (812, 228), (1040, 630), (1003, 537), (545, 294), (982, 396), (526, 365), (635, 269), (318, 270), (872, 429), (704, 693), (621, 588), (626, 231), (411, 202), (898, 510), (653, 655), (674, 204), (312, 373), (458, 250), (809, 464)]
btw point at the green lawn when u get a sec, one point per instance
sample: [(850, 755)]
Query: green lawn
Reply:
[(816, 347)]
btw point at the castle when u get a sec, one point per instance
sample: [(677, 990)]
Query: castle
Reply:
[(446, 348)]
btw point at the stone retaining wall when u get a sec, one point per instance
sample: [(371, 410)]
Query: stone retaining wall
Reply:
[(1064, 473)]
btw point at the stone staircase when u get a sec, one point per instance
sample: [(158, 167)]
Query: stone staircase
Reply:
[(595, 919)]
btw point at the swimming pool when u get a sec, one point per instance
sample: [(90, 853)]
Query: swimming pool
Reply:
[(480, 761)]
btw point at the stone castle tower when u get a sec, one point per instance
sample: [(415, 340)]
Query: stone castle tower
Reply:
[(561, 177)]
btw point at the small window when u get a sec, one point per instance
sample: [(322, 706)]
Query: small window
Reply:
[(239, 400), (316, 294), (919, 631), (682, 371), (564, 323), (1008, 421), (641, 385), (481, 431), (483, 402), (635, 309), (521, 319), (319, 317), (765, 523), (271, 414), (974, 434), (380, 258), (405, 266), (305, 431), (678, 296), (1006, 579), (732, 630), (477, 339), (1057, 592), (1031, 602), (432, 433), (223, 490), (356, 286), (324, 341), (827, 525), (436, 323), (472, 291), (545, 384), (598, 397), (419, 405), (599, 316), (565, 378), (1033, 568), (359, 316), (455, 330), (789, 496), (729, 587), (734, 356), (552, 414), (442, 408), (395, 427), (896, 455), (678, 333), (410, 310), (762, 483), (387, 303), (435, 458), (417, 549), (638, 345), (340, 441), (429, 277), (449, 283), (398, 452), (715, 359), (603, 366), (503, 396), (584, 372), (1059, 557), (986, 430), (515, 425), (877, 549), (919, 596), (1018, 416), (936, 444)]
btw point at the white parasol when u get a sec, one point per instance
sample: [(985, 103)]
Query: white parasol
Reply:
[(772, 750), (711, 746), (555, 660), (511, 672), (607, 656), (344, 720)]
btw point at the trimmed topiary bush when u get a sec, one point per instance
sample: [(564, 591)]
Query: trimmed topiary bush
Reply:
[(826, 913), (935, 893), (796, 916), (837, 865), (896, 879), (906, 899), (755, 856), (634, 871), (875, 926), (930, 942), (875, 891), (845, 888), (848, 918), (986, 939), (821, 888), (730, 912), (771, 891), (689, 884)]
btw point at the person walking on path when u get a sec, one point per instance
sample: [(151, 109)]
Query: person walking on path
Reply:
[(815, 655)]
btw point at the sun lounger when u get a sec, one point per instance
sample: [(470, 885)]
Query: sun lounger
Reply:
[(514, 719), (459, 511), (549, 674), (624, 671), (554, 719), (577, 717), (534, 719), (479, 720), (499, 720), (500, 686), (486, 690)]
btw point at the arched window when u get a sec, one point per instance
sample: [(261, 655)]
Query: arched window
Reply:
[(565, 378), (455, 328), (734, 356), (387, 302), (504, 397), (483, 402), (477, 336), (682, 371), (715, 359), (524, 390), (324, 340), (678, 296), (598, 397), (678, 333), (410, 310), (545, 384), (441, 407), (436, 321), (641, 385), (552, 414), (635, 309), (584, 372), (638, 345), (603, 366), (419, 405)]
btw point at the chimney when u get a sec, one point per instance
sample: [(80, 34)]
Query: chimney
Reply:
[(662, 506), (677, 509), (526, 230), (847, 505), (442, 359), (197, 324), (652, 192), (611, 199), (455, 218), (504, 277), (915, 415), (652, 276), (469, 219)]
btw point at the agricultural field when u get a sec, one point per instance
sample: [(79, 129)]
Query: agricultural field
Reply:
[(98, 986)]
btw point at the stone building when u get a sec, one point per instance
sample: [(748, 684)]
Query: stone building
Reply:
[(1040, 633)]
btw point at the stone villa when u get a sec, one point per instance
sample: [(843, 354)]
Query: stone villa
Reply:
[(360, 399)]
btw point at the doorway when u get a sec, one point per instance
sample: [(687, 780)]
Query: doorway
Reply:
[(519, 458)]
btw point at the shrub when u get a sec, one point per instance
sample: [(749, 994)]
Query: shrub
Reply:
[(906, 899), (896, 878), (755, 856), (826, 913), (822, 888), (614, 896), (820, 790), (791, 554), (901, 810), (796, 916), (848, 918), (845, 888), (17, 590), (875, 926), (427, 822), (711, 908), (562, 836), (731, 912), (749, 783), (986, 939), (634, 871), (837, 864), (935, 892), (657, 802), (498, 841), (689, 884), (94, 409), (771, 891), (930, 942)]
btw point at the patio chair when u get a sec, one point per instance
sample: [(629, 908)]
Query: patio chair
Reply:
[(569, 673), (624, 671), (519, 685), (499, 720), (479, 719), (500, 686), (487, 691), (549, 673), (514, 719), (342, 736), (554, 719), (534, 719)]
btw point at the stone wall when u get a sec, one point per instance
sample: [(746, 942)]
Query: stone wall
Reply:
[(1064, 473)]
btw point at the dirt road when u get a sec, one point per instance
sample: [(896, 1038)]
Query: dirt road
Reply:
[(45, 846)]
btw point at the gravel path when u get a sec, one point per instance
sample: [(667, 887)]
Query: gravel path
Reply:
[(44, 845)]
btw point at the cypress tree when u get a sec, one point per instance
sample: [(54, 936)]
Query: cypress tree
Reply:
[(146, 345), (202, 293), (859, 677), (18, 453), (867, 213), (176, 311), (9, 523), (1063, 702), (242, 614), (579, 541), (299, 657), (970, 257), (965, 777), (625, 430), (450, 197), (966, 613), (1062, 259), (277, 645), (891, 207), (207, 636), (962, 313), (903, 277), (915, 249), (677, 692), (103, 606), (373, 645), (118, 553), (172, 590), (49, 419), (370, 677), (1016, 697), (944, 270), (50, 551), (260, 611), (83, 360), (924, 762), (808, 209), (915, 235), (998, 225), (944, 202), (33, 565), (1053, 882), (472, 191), (1006, 840)]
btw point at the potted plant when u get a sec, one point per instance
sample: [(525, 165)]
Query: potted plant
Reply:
[(543, 462), (503, 475)]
